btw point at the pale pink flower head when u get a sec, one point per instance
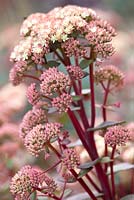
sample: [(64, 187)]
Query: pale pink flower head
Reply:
[(33, 95), (22, 51), (75, 72), (31, 22), (109, 73), (53, 81), (16, 75), (62, 103), (70, 158), (31, 119), (117, 135), (24, 182)]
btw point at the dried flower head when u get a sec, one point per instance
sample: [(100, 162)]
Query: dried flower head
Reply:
[(75, 72), (31, 119), (24, 182), (109, 73), (70, 158), (53, 81), (33, 95), (117, 135), (62, 103)]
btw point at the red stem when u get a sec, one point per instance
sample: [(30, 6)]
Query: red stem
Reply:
[(80, 180), (105, 101), (93, 183), (112, 171), (30, 76)]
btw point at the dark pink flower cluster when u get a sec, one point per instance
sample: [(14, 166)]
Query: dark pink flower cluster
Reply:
[(117, 135)]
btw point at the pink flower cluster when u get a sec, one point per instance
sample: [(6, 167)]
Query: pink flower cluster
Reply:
[(53, 81), (117, 135), (40, 136), (33, 95), (63, 27), (109, 73), (70, 158), (31, 119), (75, 72), (28, 180), (62, 102)]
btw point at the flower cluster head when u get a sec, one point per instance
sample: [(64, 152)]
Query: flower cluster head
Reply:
[(53, 81), (33, 95), (75, 72), (130, 127), (24, 182), (29, 179), (41, 135), (60, 28), (72, 47), (70, 158), (17, 72), (109, 73), (32, 118), (117, 135), (62, 103)]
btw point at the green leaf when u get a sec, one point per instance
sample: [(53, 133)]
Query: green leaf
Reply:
[(128, 197), (52, 63), (83, 172), (121, 167), (76, 97), (90, 164), (74, 108), (86, 167), (70, 180), (53, 139), (33, 196), (105, 125), (67, 192), (85, 63), (106, 159)]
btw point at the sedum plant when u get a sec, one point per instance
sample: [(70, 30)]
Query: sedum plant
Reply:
[(58, 52)]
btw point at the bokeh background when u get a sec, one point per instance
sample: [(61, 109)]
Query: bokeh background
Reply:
[(12, 13)]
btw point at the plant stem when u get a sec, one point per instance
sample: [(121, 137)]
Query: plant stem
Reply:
[(93, 183), (91, 142), (80, 180), (105, 101), (112, 171), (30, 76)]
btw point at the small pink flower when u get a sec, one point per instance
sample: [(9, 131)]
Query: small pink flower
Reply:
[(75, 72), (109, 73), (40, 136), (31, 119), (33, 95), (117, 135), (53, 81), (62, 103), (17, 72), (70, 158), (23, 183)]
